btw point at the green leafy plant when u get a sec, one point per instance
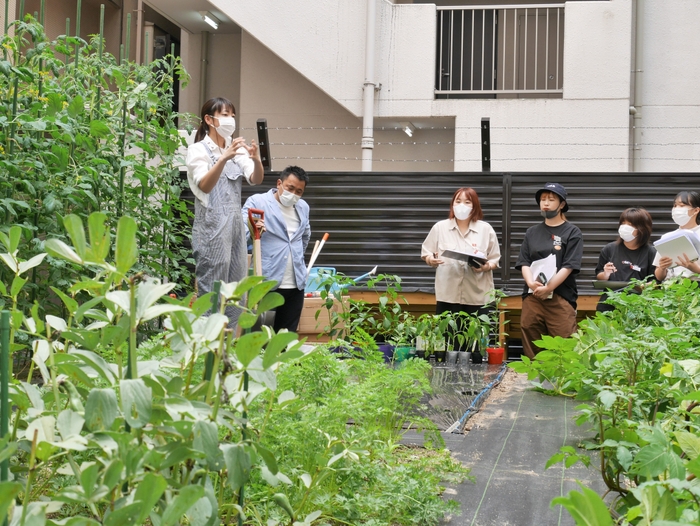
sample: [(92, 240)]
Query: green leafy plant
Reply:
[(390, 303), (638, 369), (81, 131)]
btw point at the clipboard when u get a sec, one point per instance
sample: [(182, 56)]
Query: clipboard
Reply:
[(679, 242), (612, 285), (473, 260)]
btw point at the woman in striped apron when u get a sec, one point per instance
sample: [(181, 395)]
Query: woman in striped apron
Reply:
[(216, 166)]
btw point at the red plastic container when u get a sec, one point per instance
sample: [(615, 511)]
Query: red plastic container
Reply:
[(495, 355)]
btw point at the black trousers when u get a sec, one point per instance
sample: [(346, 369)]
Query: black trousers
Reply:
[(288, 314)]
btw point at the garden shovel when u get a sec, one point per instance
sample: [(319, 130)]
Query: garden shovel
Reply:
[(253, 215)]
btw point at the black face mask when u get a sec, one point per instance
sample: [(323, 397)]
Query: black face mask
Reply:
[(549, 214)]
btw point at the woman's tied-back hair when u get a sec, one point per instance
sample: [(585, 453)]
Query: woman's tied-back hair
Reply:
[(639, 219), (477, 214), (210, 108)]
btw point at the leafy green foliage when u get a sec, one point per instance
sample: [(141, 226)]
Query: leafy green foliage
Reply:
[(638, 370), (85, 135), (150, 439), (356, 474)]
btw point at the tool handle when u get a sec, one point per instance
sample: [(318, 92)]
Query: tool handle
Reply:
[(316, 252), (252, 214)]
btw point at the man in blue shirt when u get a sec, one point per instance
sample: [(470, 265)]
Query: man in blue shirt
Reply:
[(283, 243)]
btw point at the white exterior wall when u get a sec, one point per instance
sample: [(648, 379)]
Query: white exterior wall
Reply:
[(321, 46), (670, 139)]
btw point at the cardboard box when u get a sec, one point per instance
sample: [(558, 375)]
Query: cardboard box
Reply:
[(308, 324)]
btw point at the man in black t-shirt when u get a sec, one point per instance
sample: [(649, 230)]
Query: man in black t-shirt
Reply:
[(549, 301)]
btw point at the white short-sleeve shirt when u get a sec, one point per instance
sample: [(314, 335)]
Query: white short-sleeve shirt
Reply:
[(199, 163)]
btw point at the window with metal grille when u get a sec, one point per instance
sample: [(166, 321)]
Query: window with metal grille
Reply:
[(500, 50)]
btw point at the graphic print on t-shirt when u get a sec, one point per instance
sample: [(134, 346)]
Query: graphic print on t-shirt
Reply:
[(556, 242)]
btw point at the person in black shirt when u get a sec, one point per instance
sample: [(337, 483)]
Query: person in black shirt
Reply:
[(549, 302), (631, 256)]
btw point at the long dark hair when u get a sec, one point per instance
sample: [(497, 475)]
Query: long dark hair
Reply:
[(210, 108)]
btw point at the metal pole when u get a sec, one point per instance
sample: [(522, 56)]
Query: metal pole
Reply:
[(636, 85), (485, 145)]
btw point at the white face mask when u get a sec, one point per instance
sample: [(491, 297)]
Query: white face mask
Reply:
[(626, 232), (288, 198), (226, 127), (681, 215), (462, 211)]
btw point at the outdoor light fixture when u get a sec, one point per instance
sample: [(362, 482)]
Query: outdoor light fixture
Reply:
[(408, 128), (210, 19)]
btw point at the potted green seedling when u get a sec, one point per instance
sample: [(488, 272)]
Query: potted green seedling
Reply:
[(491, 327), (457, 322), (432, 333), (390, 314), (404, 337)]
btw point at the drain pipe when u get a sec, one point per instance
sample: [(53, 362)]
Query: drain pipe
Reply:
[(204, 55), (368, 90), (635, 163)]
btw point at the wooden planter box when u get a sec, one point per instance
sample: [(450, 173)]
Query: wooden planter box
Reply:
[(309, 326), (419, 303)]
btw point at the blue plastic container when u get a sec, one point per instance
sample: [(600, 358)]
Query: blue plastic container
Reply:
[(316, 276)]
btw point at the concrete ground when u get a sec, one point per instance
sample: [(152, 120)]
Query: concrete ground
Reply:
[(507, 446)]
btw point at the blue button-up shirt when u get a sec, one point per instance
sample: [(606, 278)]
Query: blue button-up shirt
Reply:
[(275, 243)]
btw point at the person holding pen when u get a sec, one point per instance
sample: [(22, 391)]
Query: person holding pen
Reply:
[(462, 286), (630, 256), (685, 214)]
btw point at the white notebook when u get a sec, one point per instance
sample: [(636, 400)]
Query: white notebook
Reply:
[(679, 242)]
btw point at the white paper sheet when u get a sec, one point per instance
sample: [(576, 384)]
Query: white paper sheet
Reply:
[(546, 266)]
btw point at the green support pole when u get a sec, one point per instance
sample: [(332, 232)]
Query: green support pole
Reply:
[(77, 18), (77, 31), (21, 10), (128, 37), (215, 302), (4, 389), (145, 48), (102, 31), (66, 39), (6, 25), (99, 54), (42, 11)]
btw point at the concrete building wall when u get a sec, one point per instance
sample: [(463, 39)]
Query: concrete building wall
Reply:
[(587, 129), (301, 66), (670, 98), (223, 70)]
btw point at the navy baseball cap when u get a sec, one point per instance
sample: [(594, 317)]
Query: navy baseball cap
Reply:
[(555, 188)]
